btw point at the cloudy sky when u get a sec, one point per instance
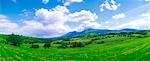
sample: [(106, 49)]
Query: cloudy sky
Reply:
[(52, 18)]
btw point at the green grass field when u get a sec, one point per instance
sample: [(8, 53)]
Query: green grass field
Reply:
[(129, 50)]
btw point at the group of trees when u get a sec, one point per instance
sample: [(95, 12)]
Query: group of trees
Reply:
[(46, 45), (71, 44), (16, 40)]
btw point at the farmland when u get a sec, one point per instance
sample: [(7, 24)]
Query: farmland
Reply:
[(114, 49)]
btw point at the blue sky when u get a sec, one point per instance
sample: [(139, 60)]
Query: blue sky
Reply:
[(51, 18)]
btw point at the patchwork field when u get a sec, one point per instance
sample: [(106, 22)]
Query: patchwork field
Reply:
[(129, 50)]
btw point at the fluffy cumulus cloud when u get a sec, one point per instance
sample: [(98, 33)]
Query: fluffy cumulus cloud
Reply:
[(147, 0), (146, 14), (55, 19), (68, 2), (119, 16), (52, 22), (45, 1), (138, 24), (110, 5), (6, 25)]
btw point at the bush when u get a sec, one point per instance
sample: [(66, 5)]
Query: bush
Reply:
[(34, 46), (31, 42), (3, 41), (141, 36), (58, 42), (94, 39), (14, 39), (63, 45), (101, 42), (71, 44), (78, 44), (66, 39), (47, 45), (89, 42)]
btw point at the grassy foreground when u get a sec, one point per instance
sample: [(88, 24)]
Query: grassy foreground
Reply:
[(130, 50)]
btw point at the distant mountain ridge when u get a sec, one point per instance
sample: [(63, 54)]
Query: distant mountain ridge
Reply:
[(97, 31)]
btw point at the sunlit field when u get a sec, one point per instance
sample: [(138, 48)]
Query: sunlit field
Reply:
[(116, 48)]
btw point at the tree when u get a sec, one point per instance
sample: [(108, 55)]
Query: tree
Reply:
[(47, 45), (63, 45), (14, 39), (35, 46), (78, 44), (101, 42)]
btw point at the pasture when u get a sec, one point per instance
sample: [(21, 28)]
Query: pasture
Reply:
[(129, 50)]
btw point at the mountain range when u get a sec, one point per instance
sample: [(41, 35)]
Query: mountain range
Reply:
[(97, 31)]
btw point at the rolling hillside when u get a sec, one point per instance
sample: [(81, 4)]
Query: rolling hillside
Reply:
[(121, 46), (129, 50), (97, 31)]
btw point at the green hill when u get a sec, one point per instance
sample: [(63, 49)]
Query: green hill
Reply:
[(129, 50), (132, 46), (24, 39)]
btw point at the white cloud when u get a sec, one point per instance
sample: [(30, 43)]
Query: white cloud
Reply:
[(47, 23), (91, 24), (138, 24), (26, 13), (82, 15), (6, 25), (135, 19), (68, 2), (119, 16), (37, 29), (55, 15), (45, 1), (110, 5), (55, 19), (51, 22), (146, 15), (75, 0), (147, 0), (3, 17)]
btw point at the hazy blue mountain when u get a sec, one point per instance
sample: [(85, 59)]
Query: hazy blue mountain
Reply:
[(97, 31)]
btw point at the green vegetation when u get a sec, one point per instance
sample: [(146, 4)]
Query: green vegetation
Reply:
[(22, 39), (14, 39), (89, 47)]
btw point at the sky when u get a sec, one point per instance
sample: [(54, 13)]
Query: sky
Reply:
[(53, 18)]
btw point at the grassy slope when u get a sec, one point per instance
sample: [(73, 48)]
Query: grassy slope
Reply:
[(3, 37), (130, 50)]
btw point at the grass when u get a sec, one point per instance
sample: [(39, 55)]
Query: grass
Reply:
[(129, 50)]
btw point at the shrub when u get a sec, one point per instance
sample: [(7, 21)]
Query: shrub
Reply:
[(47, 45), (14, 39), (66, 39), (94, 39), (101, 42), (34, 46), (3, 41), (103, 37), (71, 44), (141, 36), (78, 44), (57, 42), (63, 45), (89, 42), (31, 42)]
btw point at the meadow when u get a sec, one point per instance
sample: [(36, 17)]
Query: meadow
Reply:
[(117, 48)]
